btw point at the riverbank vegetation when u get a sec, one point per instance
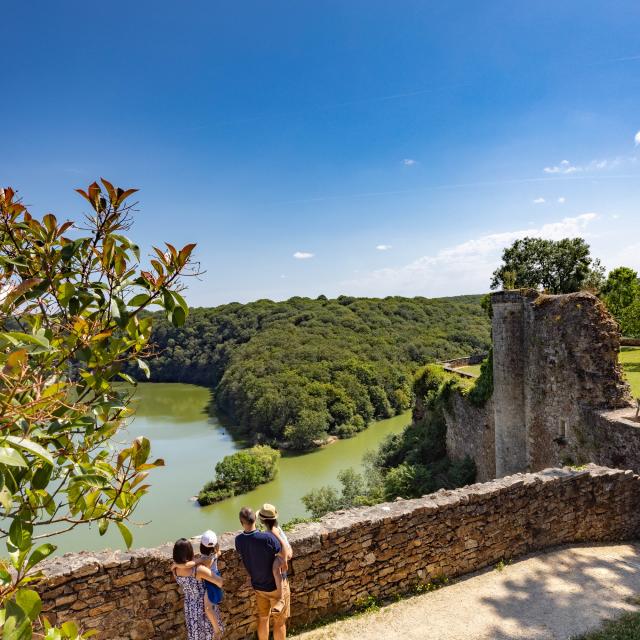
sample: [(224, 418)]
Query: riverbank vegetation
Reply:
[(414, 462), (239, 473), (300, 370)]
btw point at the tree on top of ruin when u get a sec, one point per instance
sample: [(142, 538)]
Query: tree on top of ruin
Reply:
[(554, 266)]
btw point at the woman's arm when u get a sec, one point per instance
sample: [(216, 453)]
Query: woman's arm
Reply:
[(204, 573), (286, 551)]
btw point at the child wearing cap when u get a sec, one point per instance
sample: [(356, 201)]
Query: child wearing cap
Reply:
[(210, 551)]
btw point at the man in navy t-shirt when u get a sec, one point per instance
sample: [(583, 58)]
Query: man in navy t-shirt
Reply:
[(258, 550)]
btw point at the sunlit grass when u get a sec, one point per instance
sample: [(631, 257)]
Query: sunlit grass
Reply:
[(626, 628), (474, 369), (630, 361)]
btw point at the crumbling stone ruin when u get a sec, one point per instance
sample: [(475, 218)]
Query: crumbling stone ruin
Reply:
[(559, 396)]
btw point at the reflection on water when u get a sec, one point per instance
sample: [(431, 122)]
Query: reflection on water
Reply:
[(174, 417)]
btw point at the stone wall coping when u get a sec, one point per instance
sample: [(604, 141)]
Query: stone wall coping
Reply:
[(622, 416), (308, 536)]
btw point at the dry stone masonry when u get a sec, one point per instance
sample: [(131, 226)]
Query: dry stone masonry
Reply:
[(379, 551), (559, 396)]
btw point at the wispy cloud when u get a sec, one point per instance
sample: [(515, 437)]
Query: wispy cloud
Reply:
[(303, 255), (462, 267), (409, 162), (539, 201), (383, 247), (567, 168), (564, 167), (561, 200), (637, 139)]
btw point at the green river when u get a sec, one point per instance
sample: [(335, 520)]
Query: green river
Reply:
[(174, 418)]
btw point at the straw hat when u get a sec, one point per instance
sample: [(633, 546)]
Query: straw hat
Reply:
[(268, 512)]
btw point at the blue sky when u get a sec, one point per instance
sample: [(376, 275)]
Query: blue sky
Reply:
[(358, 147)]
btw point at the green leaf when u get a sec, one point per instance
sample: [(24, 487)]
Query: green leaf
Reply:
[(115, 310), (144, 367), (41, 477), (178, 317), (5, 576), (70, 629), (126, 534), (11, 457), (139, 300), (29, 601), (90, 480), (181, 302), (17, 625), (65, 292), (5, 498), (31, 447), (17, 337), (20, 534), (42, 552)]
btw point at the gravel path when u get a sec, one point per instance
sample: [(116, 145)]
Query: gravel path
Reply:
[(552, 596)]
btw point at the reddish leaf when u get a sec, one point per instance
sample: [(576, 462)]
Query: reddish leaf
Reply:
[(94, 192), (110, 190)]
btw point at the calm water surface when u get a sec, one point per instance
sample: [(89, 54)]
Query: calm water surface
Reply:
[(175, 419)]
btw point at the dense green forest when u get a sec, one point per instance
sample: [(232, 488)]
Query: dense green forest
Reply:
[(415, 462), (298, 370)]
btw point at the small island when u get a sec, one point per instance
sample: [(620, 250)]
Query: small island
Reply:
[(240, 472)]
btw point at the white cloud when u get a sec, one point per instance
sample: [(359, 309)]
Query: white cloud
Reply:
[(637, 139), (383, 247), (408, 162), (539, 201), (465, 267), (561, 200), (565, 167), (303, 255)]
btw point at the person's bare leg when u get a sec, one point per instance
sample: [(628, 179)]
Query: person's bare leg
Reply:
[(279, 629), (263, 628), (211, 616)]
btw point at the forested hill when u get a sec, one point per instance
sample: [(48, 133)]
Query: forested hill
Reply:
[(300, 369)]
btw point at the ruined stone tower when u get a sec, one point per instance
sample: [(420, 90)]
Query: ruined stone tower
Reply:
[(554, 362)]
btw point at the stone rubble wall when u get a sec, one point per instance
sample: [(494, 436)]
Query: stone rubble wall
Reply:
[(380, 551), (555, 371), (611, 438), (471, 432)]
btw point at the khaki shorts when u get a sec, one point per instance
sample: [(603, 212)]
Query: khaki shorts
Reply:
[(266, 600)]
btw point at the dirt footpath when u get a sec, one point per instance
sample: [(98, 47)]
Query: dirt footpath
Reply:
[(551, 596)]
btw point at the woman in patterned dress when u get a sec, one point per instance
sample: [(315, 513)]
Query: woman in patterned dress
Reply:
[(190, 577)]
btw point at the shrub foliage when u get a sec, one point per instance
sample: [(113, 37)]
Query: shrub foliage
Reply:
[(71, 317)]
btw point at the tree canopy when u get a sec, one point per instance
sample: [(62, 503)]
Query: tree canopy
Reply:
[(556, 266), (621, 294), (298, 370), (72, 298)]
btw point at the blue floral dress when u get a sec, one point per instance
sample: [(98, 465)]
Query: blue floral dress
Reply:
[(198, 626)]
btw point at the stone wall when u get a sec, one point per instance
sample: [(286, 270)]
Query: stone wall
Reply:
[(471, 432), (555, 368), (379, 551), (611, 438)]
